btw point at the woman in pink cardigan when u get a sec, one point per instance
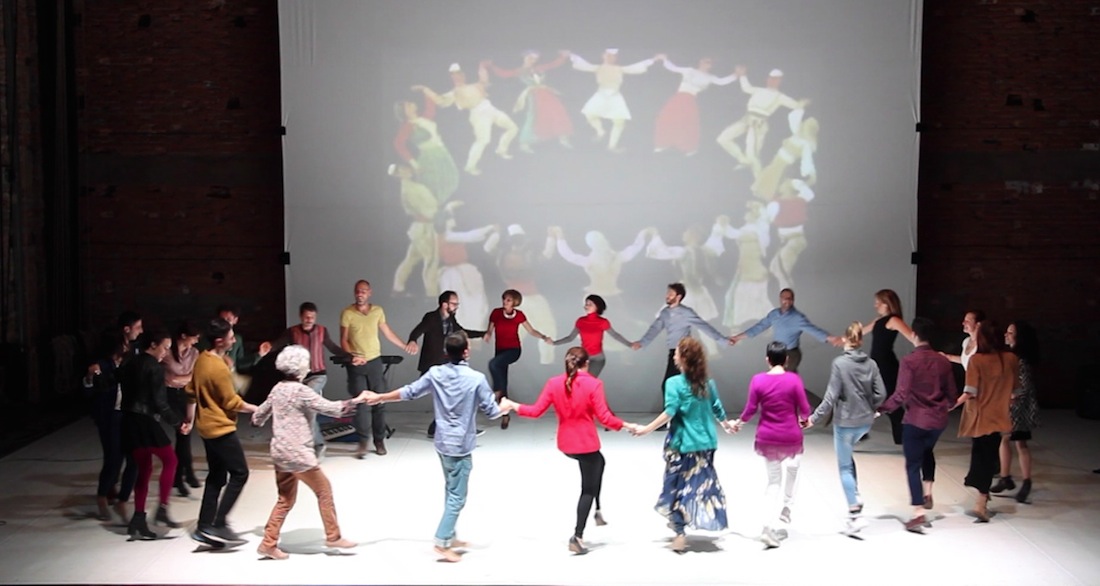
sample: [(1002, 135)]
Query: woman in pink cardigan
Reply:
[(577, 397)]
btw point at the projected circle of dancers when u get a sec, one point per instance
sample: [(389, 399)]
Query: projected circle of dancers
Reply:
[(768, 234)]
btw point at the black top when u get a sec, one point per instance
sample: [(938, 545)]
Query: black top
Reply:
[(882, 351), (435, 331)]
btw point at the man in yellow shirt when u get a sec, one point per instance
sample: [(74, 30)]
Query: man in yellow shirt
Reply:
[(360, 323), (216, 404)]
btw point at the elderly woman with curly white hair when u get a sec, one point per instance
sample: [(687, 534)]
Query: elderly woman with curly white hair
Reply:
[(293, 405)]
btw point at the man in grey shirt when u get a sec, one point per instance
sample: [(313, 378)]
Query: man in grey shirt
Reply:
[(458, 391), (676, 319)]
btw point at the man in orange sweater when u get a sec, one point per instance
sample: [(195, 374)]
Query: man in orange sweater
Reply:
[(217, 405)]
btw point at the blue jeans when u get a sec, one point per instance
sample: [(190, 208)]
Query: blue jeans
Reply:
[(498, 368), (844, 439), (920, 462), (456, 472)]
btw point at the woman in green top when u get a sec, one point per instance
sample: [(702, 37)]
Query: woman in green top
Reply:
[(691, 496)]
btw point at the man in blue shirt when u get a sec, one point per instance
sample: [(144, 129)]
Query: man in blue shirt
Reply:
[(676, 320), (458, 391), (788, 324)]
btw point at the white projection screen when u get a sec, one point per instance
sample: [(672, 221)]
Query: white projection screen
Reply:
[(799, 172)]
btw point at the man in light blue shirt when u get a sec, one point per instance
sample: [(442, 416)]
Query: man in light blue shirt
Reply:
[(458, 392), (788, 324), (676, 320)]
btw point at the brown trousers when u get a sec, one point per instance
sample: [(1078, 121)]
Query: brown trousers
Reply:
[(287, 484)]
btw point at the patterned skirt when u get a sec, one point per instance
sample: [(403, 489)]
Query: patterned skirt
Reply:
[(691, 487)]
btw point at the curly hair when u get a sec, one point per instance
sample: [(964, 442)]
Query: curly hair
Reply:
[(693, 363), (293, 362)]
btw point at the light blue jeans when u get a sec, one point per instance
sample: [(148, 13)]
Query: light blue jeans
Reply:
[(456, 472), (844, 439)]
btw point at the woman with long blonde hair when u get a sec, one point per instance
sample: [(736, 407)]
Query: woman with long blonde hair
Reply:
[(577, 397), (692, 495)]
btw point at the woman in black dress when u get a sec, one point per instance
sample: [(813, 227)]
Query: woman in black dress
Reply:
[(884, 331)]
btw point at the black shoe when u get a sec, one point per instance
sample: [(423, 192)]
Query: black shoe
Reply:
[(138, 530), (479, 432), (182, 489), (225, 535), (390, 431), (577, 546), (192, 481), (163, 518), (1003, 483), (201, 535), (1025, 490), (431, 430), (504, 421)]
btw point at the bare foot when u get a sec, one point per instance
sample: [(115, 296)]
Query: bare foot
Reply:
[(448, 554), (341, 544), (459, 544)]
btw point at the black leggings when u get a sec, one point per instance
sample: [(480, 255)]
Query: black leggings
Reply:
[(592, 465), (984, 462)]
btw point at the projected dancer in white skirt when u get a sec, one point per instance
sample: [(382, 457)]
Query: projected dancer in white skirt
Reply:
[(420, 205), (608, 101), (483, 115), (455, 271), (763, 102)]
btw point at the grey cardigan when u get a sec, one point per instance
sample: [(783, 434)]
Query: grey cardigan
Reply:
[(855, 390)]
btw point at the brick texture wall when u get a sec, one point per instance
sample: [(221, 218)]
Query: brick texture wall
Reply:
[(181, 205), (1009, 193)]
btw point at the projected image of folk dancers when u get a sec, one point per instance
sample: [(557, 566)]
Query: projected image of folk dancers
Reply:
[(545, 117), (603, 264), (798, 147), (517, 260), (678, 121), (432, 164), (608, 102), (456, 273), (763, 102), (747, 297), (483, 115), (788, 215), (421, 206)]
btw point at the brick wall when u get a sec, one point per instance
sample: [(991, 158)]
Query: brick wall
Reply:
[(181, 205), (1008, 196)]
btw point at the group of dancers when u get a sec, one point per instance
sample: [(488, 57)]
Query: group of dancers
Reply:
[(998, 398)]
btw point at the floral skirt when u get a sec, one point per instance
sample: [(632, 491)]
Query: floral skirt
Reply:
[(691, 487)]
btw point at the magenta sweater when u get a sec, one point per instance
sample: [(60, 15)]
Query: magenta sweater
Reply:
[(781, 400)]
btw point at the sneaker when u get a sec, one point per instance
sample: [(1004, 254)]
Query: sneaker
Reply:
[(769, 538), (480, 432), (785, 515), (201, 535), (916, 524), (225, 535), (854, 525)]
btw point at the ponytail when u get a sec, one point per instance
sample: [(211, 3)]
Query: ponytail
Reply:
[(575, 359)]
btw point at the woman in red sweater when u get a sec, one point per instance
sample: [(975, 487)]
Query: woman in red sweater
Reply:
[(505, 321), (591, 327), (577, 397)]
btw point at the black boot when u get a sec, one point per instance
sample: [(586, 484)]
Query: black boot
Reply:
[(1025, 490), (163, 518), (139, 529), (182, 489), (189, 477), (1003, 483)]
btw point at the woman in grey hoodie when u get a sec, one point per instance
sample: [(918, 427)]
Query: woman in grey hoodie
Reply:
[(854, 393)]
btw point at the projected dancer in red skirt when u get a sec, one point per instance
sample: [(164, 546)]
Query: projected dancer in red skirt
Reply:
[(505, 322), (545, 116), (678, 120)]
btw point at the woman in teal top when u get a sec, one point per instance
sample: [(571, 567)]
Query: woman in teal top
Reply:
[(691, 496)]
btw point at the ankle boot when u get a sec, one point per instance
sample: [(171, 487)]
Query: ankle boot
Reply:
[(163, 518), (182, 489), (1025, 490), (1003, 483), (189, 478), (139, 529)]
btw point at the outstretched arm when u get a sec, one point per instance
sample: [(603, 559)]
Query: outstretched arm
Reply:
[(627, 254), (531, 330), (580, 64), (567, 338), (618, 337), (567, 253)]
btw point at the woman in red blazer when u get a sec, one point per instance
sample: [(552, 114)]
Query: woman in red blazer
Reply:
[(577, 397)]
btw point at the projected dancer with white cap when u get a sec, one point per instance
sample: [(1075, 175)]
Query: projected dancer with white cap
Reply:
[(516, 261), (763, 102), (455, 271), (420, 205), (483, 115), (608, 101), (678, 120)]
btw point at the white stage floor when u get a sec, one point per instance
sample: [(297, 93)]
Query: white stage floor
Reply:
[(520, 514)]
